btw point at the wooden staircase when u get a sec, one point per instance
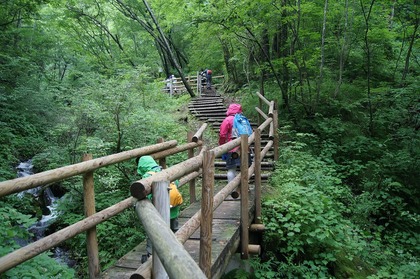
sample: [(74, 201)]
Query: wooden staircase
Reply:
[(210, 108)]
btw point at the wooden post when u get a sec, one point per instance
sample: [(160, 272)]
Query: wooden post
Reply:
[(257, 172), (166, 245), (276, 135), (162, 160), (198, 84), (271, 109), (161, 203), (271, 131), (192, 181), (89, 204), (244, 197), (207, 213), (260, 107)]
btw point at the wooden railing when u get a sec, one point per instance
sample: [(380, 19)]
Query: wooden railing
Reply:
[(176, 86), (157, 151), (187, 171)]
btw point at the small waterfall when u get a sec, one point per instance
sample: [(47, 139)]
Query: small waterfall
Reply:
[(25, 169), (48, 203), (48, 214)]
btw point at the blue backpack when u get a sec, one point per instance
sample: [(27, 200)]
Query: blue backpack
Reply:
[(241, 126)]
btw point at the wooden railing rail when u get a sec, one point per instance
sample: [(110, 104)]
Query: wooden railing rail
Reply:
[(24, 183), (142, 188), (29, 251), (176, 84), (186, 171), (273, 113), (198, 135), (165, 245)]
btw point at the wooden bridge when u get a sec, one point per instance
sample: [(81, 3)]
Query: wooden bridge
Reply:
[(212, 228)]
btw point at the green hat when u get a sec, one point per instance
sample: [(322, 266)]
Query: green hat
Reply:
[(146, 164)]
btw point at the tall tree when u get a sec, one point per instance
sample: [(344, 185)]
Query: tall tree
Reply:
[(342, 38), (321, 64), (149, 23), (168, 49), (367, 12), (413, 37)]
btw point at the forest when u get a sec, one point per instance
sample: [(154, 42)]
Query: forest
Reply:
[(86, 76)]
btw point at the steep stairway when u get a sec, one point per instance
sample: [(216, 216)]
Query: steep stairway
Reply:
[(211, 108)]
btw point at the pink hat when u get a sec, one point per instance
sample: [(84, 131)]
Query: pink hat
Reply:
[(234, 109)]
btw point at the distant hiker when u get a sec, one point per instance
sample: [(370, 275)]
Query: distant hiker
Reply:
[(225, 135), (203, 77), (147, 166), (208, 78), (170, 81)]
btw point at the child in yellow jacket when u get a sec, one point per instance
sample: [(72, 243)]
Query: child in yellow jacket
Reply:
[(146, 167)]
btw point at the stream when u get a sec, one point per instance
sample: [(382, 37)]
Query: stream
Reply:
[(48, 203)]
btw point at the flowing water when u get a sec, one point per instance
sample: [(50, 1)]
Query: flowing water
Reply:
[(48, 207)]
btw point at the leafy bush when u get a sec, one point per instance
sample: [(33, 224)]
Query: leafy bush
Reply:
[(304, 217), (320, 228), (14, 231)]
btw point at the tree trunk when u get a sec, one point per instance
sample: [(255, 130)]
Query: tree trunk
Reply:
[(163, 46), (168, 49), (410, 48), (342, 51), (276, 75), (285, 51), (306, 102), (230, 67), (366, 16), (321, 66)]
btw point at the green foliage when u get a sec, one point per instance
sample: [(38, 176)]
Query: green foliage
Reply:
[(305, 222), (15, 230), (91, 124), (266, 269), (11, 220), (84, 78), (110, 234), (321, 228), (42, 266)]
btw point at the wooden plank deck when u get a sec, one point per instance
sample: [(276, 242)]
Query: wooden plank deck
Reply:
[(225, 240)]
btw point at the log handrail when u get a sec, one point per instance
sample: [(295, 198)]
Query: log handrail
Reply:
[(177, 83), (33, 249), (190, 226), (185, 171), (165, 243), (24, 183), (199, 133)]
